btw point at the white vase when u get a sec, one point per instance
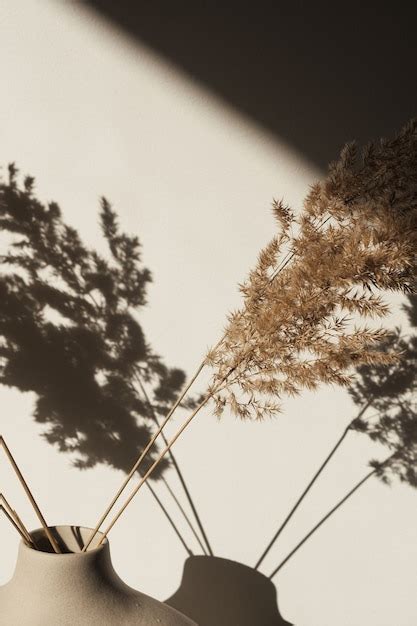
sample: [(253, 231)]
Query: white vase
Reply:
[(76, 588)]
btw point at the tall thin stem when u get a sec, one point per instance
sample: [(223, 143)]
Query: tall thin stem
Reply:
[(311, 483), (17, 519), (180, 477), (321, 522), (14, 523), (156, 463), (25, 530), (175, 464), (29, 494), (142, 456)]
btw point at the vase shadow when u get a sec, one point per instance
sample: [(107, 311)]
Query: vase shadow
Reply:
[(221, 592)]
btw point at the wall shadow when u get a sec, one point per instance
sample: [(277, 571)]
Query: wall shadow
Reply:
[(387, 400), (220, 592), (69, 333), (314, 74)]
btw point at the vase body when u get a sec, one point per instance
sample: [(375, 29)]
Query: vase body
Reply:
[(220, 592), (76, 588)]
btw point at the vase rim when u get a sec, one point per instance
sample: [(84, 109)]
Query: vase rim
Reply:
[(66, 533)]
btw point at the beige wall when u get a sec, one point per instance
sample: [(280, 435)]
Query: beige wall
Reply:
[(88, 114)]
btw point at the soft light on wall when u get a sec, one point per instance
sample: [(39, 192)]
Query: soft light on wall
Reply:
[(89, 114)]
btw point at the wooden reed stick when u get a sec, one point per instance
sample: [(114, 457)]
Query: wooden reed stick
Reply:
[(30, 496), (15, 516), (15, 525), (180, 477), (153, 466), (25, 530), (141, 457)]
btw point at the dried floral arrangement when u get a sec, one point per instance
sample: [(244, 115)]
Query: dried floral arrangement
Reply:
[(308, 316)]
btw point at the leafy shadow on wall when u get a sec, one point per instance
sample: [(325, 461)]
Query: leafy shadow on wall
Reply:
[(69, 332)]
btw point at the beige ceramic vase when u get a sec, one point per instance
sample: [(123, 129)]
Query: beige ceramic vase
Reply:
[(76, 588)]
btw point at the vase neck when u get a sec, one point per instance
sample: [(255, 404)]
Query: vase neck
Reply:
[(47, 570), (76, 587)]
